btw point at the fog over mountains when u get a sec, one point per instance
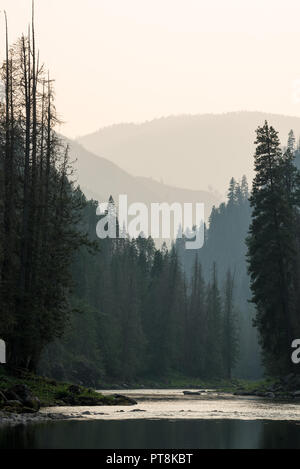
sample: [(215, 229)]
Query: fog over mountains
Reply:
[(200, 152), (100, 178)]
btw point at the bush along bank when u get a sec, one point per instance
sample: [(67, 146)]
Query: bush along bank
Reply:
[(282, 388), (23, 392)]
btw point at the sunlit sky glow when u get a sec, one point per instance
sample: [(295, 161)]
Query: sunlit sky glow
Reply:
[(134, 60)]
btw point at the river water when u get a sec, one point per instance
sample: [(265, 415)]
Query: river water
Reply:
[(165, 419)]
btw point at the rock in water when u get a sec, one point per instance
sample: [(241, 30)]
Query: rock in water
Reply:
[(192, 393), (21, 395), (123, 400)]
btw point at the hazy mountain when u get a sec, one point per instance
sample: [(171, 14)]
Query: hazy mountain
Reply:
[(188, 151), (99, 178)]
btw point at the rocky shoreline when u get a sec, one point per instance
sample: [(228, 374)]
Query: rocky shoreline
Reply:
[(284, 388), (12, 419), (22, 396), (21, 403)]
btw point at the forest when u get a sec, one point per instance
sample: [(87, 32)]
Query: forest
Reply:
[(74, 307)]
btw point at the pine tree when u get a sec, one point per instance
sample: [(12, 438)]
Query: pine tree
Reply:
[(196, 327), (291, 146), (245, 188), (214, 338), (230, 331), (272, 249), (231, 196)]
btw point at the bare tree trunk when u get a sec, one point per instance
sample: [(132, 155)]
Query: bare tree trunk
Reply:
[(25, 231)]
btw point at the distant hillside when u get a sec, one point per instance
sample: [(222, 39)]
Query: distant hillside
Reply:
[(99, 178), (188, 151)]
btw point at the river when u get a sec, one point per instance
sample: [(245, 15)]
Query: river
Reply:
[(165, 419)]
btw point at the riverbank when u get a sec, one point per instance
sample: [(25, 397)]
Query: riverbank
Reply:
[(22, 392), (281, 388), (12, 419), (188, 383), (175, 381), (162, 405)]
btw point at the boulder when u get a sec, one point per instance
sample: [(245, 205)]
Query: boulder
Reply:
[(13, 404), (278, 388), (288, 378), (14, 407), (10, 395), (21, 397), (123, 400), (297, 381), (22, 391), (28, 410), (271, 388), (74, 389), (3, 398), (32, 403)]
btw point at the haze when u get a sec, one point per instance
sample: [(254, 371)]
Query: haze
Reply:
[(135, 60)]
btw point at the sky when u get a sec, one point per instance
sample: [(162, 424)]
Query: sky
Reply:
[(135, 60)]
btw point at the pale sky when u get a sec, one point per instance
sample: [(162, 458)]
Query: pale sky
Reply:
[(134, 60)]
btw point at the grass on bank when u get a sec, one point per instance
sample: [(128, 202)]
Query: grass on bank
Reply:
[(178, 381), (53, 393), (49, 391)]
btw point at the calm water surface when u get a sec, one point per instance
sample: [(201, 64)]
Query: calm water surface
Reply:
[(165, 419)]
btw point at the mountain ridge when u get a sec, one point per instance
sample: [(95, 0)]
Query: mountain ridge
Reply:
[(99, 178), (194, 151)]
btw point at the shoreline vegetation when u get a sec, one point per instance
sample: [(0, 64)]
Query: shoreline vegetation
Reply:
[(23, 394)]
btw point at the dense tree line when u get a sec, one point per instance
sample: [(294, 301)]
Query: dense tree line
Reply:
[(225, 245), (143, 318)]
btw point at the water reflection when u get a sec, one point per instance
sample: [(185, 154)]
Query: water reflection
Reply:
[(157, 434)]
